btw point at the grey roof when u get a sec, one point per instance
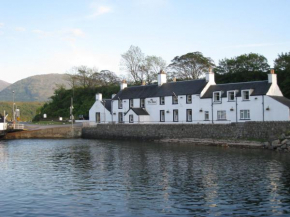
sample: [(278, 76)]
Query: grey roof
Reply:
[(108, 104), (259, 88), (167, 89), (282, 99), (138, 111)]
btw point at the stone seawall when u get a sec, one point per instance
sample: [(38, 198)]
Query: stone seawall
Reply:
[(48, 133), (248, 130)]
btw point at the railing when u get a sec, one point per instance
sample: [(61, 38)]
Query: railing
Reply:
[(18, 126)]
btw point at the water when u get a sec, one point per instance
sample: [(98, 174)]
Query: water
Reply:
[(113, 178)]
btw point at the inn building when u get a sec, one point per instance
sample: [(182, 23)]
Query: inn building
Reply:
[(200, 101)]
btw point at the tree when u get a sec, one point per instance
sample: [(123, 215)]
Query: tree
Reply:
[(132, 61), (282, 68), (152, 66), (247, 62), (190, 66)]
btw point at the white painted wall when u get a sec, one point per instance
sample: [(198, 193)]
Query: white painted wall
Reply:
[(105, 115)]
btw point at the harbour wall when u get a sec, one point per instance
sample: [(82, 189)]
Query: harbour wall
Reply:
[(246, 131), (48, 133)]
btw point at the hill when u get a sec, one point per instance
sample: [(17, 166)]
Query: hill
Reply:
[(3, 85), (36, 88), (27, 109)]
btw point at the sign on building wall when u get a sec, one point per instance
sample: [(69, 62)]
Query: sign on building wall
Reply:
[(152, 102)]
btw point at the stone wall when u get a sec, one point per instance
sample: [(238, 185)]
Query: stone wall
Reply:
[(248, 130), (48, 133)]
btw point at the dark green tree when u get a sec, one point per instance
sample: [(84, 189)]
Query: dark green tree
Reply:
[(282, 68), (189, 66)]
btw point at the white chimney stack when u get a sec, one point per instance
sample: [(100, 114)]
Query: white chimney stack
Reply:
[(113, 95), (210, 76), (272, 77), (123, 85), (99, 97), (161, 78)]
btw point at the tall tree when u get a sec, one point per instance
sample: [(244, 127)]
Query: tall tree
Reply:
[(152, 66), (132, 62), (190, 66), (282, 68)]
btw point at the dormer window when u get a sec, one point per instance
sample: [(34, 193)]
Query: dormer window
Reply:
[(217, 96), (174, 99), (231, 96), (188, 99), (120, 104), (246, 95), (131, 103)]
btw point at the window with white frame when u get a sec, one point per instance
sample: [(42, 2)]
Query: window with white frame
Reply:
[(175, 115), (174, 99), (162, 116), (120, 104), (120, 117), (189, 115), (231, 95), (188, 99), (162, 100), (221, 115), (131, 103), (131, 119), (244, 114), (142, 103), (206, 115), (217, 96), (246, 95)]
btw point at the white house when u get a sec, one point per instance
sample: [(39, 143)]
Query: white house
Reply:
[(194, 101)]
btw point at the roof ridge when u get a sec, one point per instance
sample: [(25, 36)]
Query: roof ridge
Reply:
[(241, 82)]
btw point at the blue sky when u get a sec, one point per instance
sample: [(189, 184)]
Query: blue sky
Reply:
[(51, 36)]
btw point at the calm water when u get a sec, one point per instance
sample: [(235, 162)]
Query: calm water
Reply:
[(112, 178)]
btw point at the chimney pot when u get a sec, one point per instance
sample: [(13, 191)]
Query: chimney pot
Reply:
[(174, 79), (272, 71)]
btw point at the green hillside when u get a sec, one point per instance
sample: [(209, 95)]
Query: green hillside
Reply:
[(27, 109), (36, 88)]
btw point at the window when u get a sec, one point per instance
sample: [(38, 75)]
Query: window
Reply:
[(174, 99), (120, 104), (131, 103), (162, 116), (98, 117), (189, 115), (131, 119), (175, 115), (244, 114), (231, 96), (142, 103), (162, 100), (206, 115), (120, 117), (188, 99), (246, 95), (221, 115), (217, 96)]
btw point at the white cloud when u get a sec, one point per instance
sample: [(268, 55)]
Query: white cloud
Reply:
[(20, 29), (76, 32), (41, 33), (99, 10), (1, 25)]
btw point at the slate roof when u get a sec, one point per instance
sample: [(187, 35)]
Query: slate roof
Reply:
[(108, 104), (167, 89), (139, 111), (282, 99), (259, 88)]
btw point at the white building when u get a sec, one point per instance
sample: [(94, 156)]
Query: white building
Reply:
[(195, 101)]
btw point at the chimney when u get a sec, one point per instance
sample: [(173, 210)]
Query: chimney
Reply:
[(113, 95), (99, 97), (123, 85), (174, 79), (161, 78), (143, 83), (210, 76), (272, 77)]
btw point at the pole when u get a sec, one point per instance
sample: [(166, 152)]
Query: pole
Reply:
[(71, 113), (13, 118)]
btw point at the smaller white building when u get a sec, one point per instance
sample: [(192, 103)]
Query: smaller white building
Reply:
[(200, 101)]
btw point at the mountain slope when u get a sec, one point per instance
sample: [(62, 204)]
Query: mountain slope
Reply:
[(36, 88), (3, 85)]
